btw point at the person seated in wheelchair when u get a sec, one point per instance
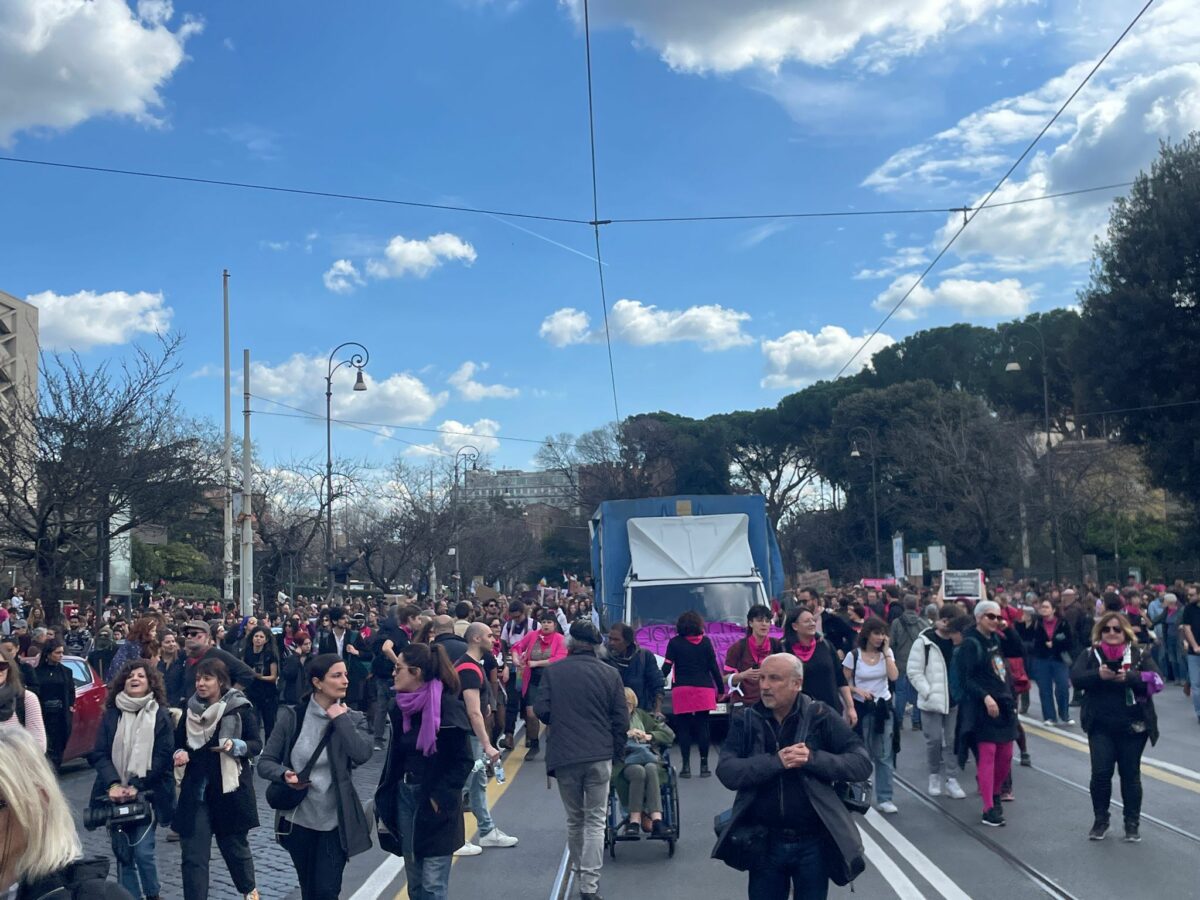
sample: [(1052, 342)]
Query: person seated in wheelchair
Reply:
[(639, 777)]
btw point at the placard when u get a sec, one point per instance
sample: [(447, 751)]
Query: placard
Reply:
[(898, 555), (916, 561), (962, 583), (937, 558), (818, 581)]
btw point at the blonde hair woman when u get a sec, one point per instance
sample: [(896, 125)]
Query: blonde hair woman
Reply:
[(39, 847)]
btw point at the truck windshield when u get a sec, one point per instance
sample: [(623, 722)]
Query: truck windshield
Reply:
[(661, 604)]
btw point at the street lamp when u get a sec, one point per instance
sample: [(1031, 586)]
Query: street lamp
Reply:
[(1015, 367), (855, 454), (357, 360), (467, 453)]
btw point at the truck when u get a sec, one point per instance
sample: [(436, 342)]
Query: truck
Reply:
[(656, 558)]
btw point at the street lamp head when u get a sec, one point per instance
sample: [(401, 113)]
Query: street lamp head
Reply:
[(854, 454), (1013, 366), (359, 384)]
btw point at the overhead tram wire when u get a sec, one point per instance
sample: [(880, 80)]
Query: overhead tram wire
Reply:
[(596, 223), (280, 189), (968, 219)]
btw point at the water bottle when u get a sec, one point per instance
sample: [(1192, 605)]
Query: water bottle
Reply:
[(498, 771)]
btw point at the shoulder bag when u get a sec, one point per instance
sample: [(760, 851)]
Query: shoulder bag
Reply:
[(282, 796)]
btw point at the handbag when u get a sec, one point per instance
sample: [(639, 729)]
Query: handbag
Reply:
[(638, 753), (744, 843), (1020, 677), (282, 796)]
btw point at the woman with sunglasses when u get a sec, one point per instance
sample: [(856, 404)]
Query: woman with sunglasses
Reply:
[(1118, 679), (419, 799)]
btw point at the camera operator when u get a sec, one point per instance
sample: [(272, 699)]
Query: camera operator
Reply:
[(132, 759)]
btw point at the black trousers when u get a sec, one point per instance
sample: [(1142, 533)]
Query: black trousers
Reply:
[(58, 732), (1123, 752), (318, 858), (692, 728), (196, 851)]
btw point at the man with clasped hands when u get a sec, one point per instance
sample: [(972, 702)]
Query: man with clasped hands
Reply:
[(789, 827)]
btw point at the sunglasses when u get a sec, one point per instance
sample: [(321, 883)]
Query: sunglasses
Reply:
[(990, 616), (1112, 629), (3, 666)]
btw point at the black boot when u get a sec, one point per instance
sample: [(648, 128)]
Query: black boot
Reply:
[(704, 773), (685, 769), (534, 747), (1132, 835), (1099, 829)]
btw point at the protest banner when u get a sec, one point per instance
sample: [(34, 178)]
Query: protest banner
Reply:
[(963, 583)]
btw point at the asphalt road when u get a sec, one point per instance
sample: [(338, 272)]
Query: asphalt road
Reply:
[(931, 848)]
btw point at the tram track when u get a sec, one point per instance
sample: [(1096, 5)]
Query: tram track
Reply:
[(1044, 882)]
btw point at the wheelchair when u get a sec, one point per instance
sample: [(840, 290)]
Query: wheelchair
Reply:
[(614, 832)]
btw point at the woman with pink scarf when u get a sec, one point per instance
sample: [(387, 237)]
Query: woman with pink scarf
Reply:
[(419, 799), (531, 655)]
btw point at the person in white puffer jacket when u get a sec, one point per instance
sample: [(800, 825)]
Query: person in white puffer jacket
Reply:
[(928, 671)]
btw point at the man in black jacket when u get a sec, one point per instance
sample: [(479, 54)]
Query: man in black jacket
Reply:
[(583, 702), (347, 643), (198, 645), (637, 667), (782, 757)]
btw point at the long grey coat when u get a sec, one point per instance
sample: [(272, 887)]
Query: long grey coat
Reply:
[(348, 747)]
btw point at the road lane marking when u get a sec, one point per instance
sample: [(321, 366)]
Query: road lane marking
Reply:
[(1168, 773), (926, 868), (892, 873), (495, 790), (563, 877)]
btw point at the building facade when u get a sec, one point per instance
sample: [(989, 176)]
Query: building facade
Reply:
[(18, 348), (518, 488)]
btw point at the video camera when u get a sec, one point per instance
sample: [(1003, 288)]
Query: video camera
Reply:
[(101, 813)]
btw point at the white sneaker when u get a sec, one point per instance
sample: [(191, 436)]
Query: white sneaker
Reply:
[(935, 785), (954, 790), (497, 838), (887, 806), (1049, 723), (468, 849), (1069, 722)]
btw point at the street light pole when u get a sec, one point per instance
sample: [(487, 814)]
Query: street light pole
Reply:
[(469, 454), (854, 454), (1015, 366), (357, 360)]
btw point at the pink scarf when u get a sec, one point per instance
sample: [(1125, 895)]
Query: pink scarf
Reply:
[(1113, 652), (805, 653), (428, 703), (693, 639), (758, 654)]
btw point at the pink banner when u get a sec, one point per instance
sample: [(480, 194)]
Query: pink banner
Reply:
[(723, 635), (877, 583)]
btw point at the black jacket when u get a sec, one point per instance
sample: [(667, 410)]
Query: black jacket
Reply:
[(84, 879), (455, 647), (640, 673), (239, 673), (982, 671), (161, 777), (439, 778), (348, 748), (582, 699), (1106, 705), (695, 665), (1062, 642), (750, 764), (232, 813)]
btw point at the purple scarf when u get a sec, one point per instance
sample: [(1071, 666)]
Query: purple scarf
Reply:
[(428, 702)]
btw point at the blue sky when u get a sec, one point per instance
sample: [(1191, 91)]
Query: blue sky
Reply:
[(493, 325)]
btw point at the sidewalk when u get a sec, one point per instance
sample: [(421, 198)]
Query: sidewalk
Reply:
[(273, 866)]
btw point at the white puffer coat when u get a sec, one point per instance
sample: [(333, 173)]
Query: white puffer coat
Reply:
[(927, 673)]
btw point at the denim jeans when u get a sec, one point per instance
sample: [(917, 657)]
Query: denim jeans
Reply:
[(140, 877), (1053, 679), (584, 791), (939, 734), (786, 865), (1193, 664), (879, 745), (429, 876), (477, 789), (905, 694)]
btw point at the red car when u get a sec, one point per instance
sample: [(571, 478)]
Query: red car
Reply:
[(90, 693)]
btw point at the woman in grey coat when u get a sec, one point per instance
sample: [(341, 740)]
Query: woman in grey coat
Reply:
[(329, 826)]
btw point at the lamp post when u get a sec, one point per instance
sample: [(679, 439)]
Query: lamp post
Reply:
[(1014, 366), (855, 454), (469, 454), (357, 360)]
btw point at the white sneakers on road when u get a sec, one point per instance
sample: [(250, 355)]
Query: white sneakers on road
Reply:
[(468, 849), (952, 787), (497, 838), (887, 806), (935, 785)]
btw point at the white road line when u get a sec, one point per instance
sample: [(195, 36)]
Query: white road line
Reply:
[(562, 878), (892, 873), (928, 870), (1181, 771), (380, 879)]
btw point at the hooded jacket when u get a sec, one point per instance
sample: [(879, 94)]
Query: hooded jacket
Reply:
[(928, 673)]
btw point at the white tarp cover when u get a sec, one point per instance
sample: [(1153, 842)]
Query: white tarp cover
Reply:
[(667, 548)]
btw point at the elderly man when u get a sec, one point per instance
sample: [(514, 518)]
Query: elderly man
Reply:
[(791, 747), (198, 645), (583, 701)]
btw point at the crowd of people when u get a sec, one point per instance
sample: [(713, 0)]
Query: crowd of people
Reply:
[(202, 699)]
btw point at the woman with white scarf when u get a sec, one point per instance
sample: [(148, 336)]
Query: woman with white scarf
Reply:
[(217, 737), (132, 756)]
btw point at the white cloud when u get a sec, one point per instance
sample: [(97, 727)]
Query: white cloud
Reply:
[(564, 327), (711, 326), (64, 62), (455, 435), (800, 357), (88, 319), (342, 277), (463, 379), (1007, 297), (400, 398), (413, 257), (903, 259), (260, 143), (722, 36)]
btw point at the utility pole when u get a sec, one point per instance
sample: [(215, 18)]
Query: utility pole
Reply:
[(247, 495), (227, 558)]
